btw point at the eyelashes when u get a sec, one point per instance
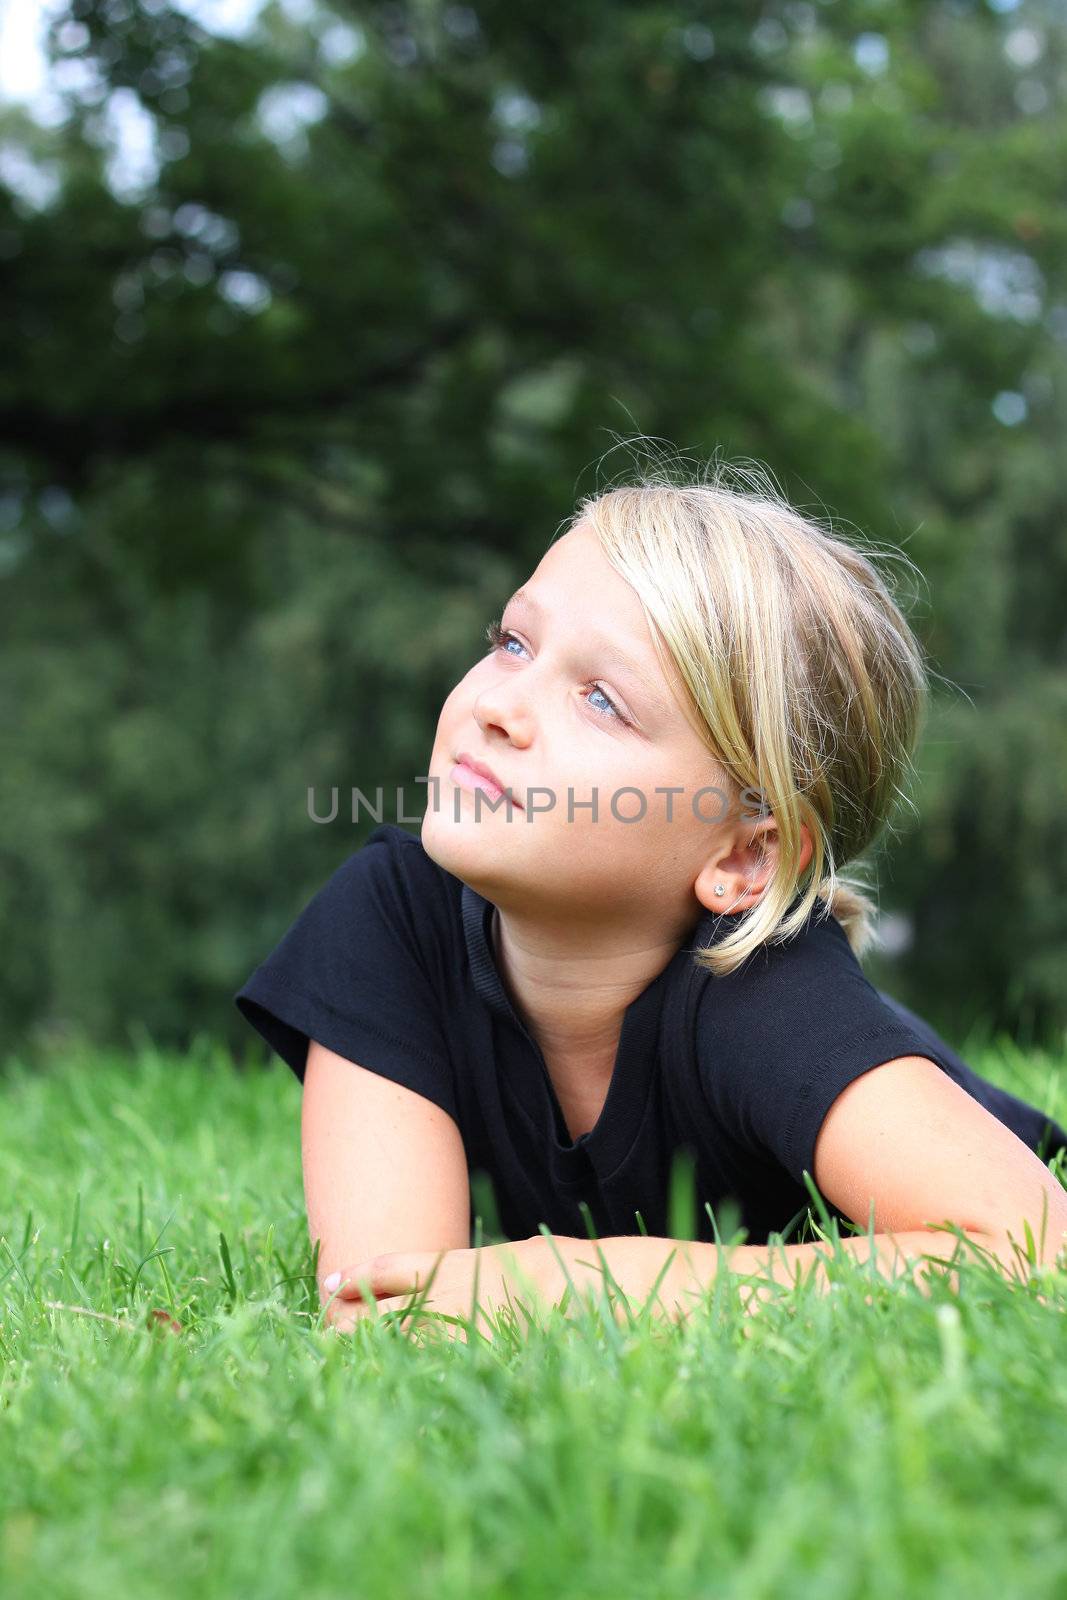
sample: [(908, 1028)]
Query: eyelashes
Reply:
[(497, 637)]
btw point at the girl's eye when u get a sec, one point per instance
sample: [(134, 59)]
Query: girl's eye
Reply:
[(497, 635), (499, 638)]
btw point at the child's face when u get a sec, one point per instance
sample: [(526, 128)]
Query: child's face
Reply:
[(537, 710)]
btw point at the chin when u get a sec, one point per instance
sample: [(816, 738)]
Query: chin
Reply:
[(469, 850)]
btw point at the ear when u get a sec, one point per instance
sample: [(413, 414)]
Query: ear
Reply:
[(744, 865)]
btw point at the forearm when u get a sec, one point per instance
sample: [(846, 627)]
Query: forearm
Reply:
[(690, 1268)]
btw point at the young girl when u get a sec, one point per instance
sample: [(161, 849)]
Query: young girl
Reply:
[(622, 937)]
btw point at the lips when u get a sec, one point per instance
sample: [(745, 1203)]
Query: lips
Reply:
[(483, 771)]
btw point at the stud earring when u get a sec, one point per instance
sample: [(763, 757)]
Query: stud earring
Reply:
[(720, 888)]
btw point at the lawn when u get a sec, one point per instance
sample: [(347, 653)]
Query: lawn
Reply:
[(175, 1420)]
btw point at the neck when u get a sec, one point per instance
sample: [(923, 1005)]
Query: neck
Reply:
[(573, 1000)]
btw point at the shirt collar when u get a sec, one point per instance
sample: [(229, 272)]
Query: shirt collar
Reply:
[(477, 915)]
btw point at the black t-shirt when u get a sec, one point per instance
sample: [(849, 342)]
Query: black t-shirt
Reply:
[(391, 965)]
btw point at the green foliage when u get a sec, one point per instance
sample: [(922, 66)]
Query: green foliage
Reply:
[(281, 426)]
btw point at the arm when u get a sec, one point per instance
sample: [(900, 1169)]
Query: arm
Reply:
[(384, 1169), (909, 1141)]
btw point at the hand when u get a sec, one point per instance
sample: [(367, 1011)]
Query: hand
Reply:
[(441, 1281), (529, 1270)]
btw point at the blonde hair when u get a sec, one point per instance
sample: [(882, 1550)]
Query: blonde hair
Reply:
[(804, 678)]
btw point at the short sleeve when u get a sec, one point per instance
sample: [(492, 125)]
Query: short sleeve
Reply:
[(352, 973), (780, 1038)]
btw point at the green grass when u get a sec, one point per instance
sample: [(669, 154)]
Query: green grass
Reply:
[(828, 1447)]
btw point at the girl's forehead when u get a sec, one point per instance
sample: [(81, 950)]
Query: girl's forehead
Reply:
[(575, 570)]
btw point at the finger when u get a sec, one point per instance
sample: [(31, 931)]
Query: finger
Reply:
[(419, 1326), (411, 1312), (389, 1274), (395, 1302), (341, 1316), (423, 1326), (358, 1283)]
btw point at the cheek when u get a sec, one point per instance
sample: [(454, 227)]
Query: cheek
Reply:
[(658, 797), (629, 811), (457, 707), (462, 696)]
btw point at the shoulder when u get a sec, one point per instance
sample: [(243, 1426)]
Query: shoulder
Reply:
[(391, 859), (387, 906), (363, 968), (391, 883), (389, 848), (816, 962), (777, 1039)]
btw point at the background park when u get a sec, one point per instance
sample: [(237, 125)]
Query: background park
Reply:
[(317, 319)]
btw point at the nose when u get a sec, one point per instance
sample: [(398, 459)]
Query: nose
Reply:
[(504, 707)]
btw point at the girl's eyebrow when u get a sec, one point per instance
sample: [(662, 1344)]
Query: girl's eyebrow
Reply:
[(609, 652)]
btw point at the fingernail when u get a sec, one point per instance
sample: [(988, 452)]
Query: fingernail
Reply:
[(332, 1282)]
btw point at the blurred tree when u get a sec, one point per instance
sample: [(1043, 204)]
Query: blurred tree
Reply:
[(284, 415)]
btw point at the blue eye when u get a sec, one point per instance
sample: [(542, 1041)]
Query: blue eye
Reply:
[(496, 636), (499, 638), (603, 696)]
